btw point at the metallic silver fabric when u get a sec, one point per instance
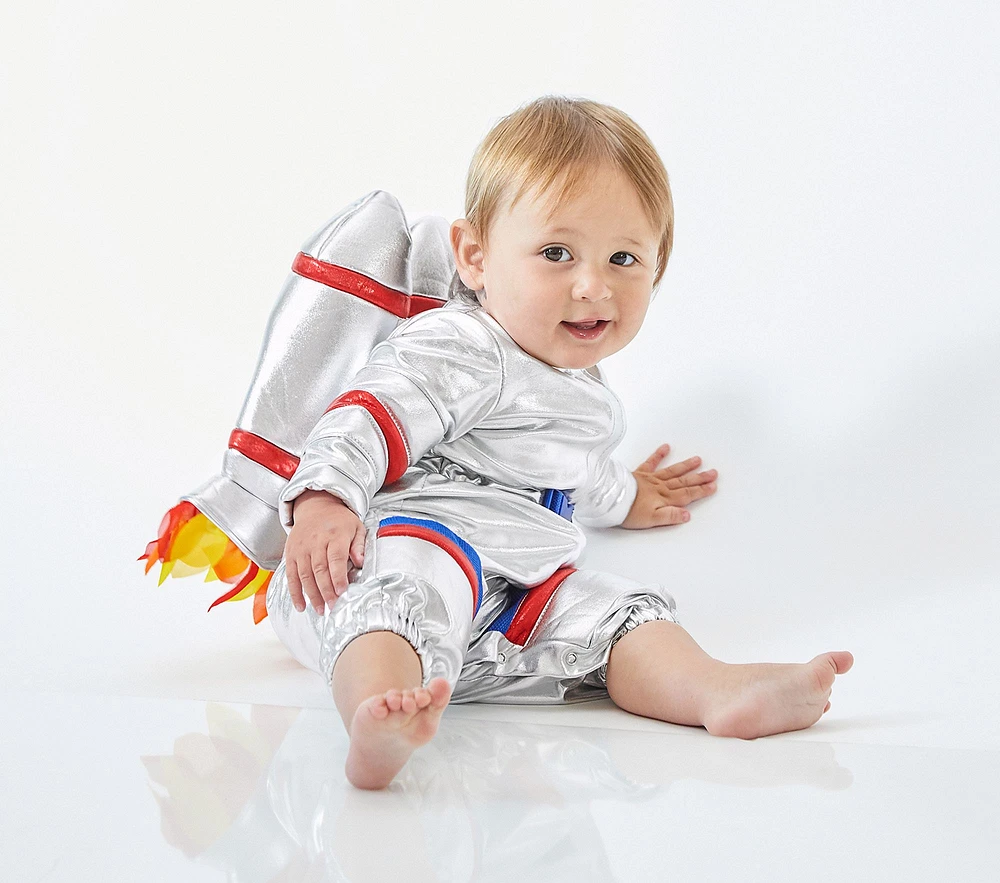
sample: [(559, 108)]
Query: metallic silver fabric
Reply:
[(566, 658), (431, 261), (248, 520), (487, 429), (416, 590), (406, 586), (514, 536), (316, 340)]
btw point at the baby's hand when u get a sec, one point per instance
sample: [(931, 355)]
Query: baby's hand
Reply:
[(325, 539), (663, 493)]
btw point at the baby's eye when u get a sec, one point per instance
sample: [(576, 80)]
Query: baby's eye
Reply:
[(624, 254), (556, 249)]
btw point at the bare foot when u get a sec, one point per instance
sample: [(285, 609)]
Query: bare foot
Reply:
[(766, 698), (387, 728)]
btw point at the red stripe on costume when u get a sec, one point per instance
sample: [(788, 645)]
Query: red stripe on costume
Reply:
[(420, 304), (392, 432), (399, 303), (442, 542), (533, 606), (263, 452)]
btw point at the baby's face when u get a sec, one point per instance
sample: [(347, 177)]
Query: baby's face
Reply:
[(573, 287)]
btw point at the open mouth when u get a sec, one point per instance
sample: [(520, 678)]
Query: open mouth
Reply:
[(587, 330)]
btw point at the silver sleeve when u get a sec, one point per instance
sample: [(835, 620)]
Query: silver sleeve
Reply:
[(606, 501), (346, 456), (437, 376)]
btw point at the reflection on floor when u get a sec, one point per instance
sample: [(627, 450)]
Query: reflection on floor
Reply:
[(213, 791)]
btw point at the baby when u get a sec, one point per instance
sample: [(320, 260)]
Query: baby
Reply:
[(433, 519)]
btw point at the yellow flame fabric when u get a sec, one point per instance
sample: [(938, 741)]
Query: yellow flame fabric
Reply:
[(189, 543)]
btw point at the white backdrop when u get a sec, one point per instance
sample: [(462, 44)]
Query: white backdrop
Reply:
[(826, 334)]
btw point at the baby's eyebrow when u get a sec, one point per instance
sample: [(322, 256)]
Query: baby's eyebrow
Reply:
[(629, 239)]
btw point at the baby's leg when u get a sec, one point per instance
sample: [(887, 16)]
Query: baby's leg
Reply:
[(391, 646), (657, 670), (584, 632)]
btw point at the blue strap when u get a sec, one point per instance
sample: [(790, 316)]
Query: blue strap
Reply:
[(558, 502)]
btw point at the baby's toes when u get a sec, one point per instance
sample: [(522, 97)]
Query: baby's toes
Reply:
[(827, 666), (843, 660), (407, 704), (838, 662), (393, 700), (377, 708), (422, 697), (440, 691)]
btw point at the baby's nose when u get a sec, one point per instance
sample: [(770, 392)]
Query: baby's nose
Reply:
[(590, 285)]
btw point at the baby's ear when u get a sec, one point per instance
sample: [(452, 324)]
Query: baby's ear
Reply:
[(468, 254)]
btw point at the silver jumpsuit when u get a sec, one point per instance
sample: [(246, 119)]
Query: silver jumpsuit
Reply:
[(471, 464)]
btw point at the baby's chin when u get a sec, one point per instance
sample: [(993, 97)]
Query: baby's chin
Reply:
[(578, 365), (582, 357), (577, 361)]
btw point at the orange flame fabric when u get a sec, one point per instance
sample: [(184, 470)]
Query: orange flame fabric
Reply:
[(188, 543)]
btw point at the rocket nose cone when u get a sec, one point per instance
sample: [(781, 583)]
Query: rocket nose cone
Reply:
[(369, 236)]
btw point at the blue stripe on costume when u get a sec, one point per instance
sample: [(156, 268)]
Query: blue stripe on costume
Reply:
[(503, 621), (448, 534)]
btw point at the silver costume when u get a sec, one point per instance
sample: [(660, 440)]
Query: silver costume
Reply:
[(463, 455), (487, 456)]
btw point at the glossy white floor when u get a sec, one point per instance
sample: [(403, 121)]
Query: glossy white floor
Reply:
[(170, 790), (158, 743)]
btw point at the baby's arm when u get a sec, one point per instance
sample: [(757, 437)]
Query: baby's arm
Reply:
[(432, 380), (662, 494)]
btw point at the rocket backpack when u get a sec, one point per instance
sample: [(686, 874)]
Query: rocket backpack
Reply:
[(356, 279)]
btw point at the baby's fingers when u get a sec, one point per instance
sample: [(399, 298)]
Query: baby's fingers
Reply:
[(309, 588), (692, 478), (667, 515), (326, 578), (294, 586), (682, 468), (339, 564), (685, 495), (358, 546), (654, 459)]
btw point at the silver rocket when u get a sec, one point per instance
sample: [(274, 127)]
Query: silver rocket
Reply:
[(360, 275)]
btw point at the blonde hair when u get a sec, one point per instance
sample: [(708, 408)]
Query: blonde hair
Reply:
[(554, 143)]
